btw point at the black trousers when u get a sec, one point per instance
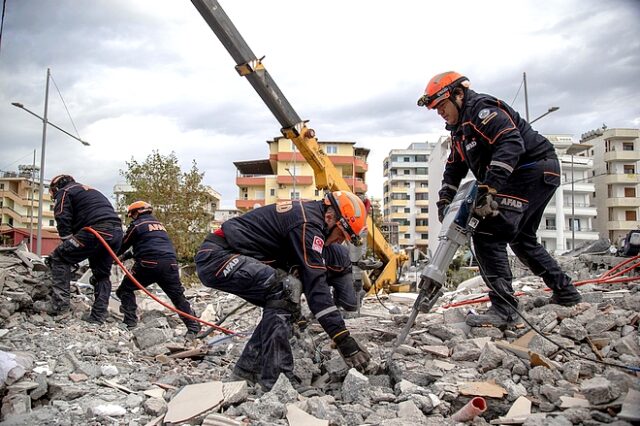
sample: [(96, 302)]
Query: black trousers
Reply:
[(268, 352), (521, 204), (146, 272), (84, 245)]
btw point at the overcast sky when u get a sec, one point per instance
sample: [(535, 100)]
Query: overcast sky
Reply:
[(141, 75)]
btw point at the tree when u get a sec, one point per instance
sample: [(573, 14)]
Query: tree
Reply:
[(179, 199)]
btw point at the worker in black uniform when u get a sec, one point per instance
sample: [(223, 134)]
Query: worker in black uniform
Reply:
[(78, 206), (242, 257), (517, 171), (155, 262)]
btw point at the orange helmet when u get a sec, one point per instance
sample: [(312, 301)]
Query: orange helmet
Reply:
[(441, 87), (139, 207), (59, 182), (352, 213)]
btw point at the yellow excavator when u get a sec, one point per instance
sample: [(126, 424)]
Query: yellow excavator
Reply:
[(327, 177)]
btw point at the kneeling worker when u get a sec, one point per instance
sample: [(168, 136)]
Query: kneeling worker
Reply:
[(155, 262)]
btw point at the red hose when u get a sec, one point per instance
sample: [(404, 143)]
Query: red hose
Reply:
[(148, 293), (606, 278)]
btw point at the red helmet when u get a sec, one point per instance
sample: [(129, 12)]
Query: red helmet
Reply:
[(441, 87), (139, 207), (352, 213)]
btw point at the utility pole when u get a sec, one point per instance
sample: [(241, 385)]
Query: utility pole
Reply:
[(44, 142), (526, 96)]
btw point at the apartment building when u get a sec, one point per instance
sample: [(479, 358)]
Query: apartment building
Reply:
[(406, 196), (616, 154), (19, 209), (569, 220), (286, 175)]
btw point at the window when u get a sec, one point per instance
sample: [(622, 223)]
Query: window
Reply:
[(422, 196), (272, 192), (630, 215), (629, 192), (407, 184), (406, 159), (259, 195), (407, 236), (295, 195), (52, 223), (406, 172), (550, 223), (627, 146), (629, 169), (331, 149), (317, 193), (422, 171), (1, 185), (407, 210), (424, 210), (424, 236), (424, 184), (10, 221), (422, 222), (421, 158), (574, 224)]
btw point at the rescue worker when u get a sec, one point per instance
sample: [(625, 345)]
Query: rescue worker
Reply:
[(517, 172), (78, 206), (242, 257), (155, 262)]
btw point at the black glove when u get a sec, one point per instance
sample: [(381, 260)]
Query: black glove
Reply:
[(353, 354), (485, 203), (443, 204), (125, 256)]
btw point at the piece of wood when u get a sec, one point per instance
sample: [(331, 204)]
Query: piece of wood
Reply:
[(155, 392), (114, 385), (191, 353), (488, 389), (164, 386), (594, 349), (519, 351), (537, 360), (193, 400), (298, 417)]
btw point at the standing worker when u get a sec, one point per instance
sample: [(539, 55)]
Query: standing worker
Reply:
[(78, 206), (155, 262), (517, 172), (241, 258)]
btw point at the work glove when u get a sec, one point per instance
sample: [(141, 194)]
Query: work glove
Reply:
[(354, 355), (485, 203), (443, 204)]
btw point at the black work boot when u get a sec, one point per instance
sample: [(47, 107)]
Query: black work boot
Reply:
[(239, 374), (566, 296), (88, 317), (492, 318)]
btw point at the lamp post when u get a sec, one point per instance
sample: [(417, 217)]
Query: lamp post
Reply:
[(42, 152), (551, 109), (573, 149), (293, 176)]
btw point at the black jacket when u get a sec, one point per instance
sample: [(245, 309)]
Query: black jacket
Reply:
[(77, 206), (491, 140), (286, 234), (149, 240)]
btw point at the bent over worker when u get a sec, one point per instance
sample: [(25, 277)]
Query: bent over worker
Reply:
[(155, 262), (78, 206), (242, 257), (517, 171)]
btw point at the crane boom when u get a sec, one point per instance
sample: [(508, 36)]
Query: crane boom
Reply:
[(326, 175)]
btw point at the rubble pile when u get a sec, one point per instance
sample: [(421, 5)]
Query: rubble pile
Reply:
[(62, 371)]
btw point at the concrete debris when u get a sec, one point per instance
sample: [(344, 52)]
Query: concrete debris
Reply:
[(66, 372)]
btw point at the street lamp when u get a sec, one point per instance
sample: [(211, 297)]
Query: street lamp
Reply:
[(42, 152), (551, 109), (293, 176), (573, 149)]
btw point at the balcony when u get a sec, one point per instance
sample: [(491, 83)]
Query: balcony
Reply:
[(622, 225), (578, 187), (360, 186), (422, 203), (250, 180), (629, 178), (248, 204), (623, 202), (422, 229), (288, 180), (620, 155)]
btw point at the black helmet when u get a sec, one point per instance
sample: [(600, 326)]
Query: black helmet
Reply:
[(59, 182)]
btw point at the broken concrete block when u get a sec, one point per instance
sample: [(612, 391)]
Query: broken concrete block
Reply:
[(408, 410), (355, 386), (600, 324), (490, 358), (15, 405), (571, 371), (148, 337), (466, 351), (572, 329), (155, 406), (628, 345), (599, 390)]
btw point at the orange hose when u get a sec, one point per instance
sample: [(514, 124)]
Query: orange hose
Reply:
[(605, 278), (148, 293)]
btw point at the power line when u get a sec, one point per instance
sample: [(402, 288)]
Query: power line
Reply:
[(517, 93), (65, 106), (5, 168)]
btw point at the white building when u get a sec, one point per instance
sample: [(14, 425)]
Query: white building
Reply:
[(406, 196), (569, 219)]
